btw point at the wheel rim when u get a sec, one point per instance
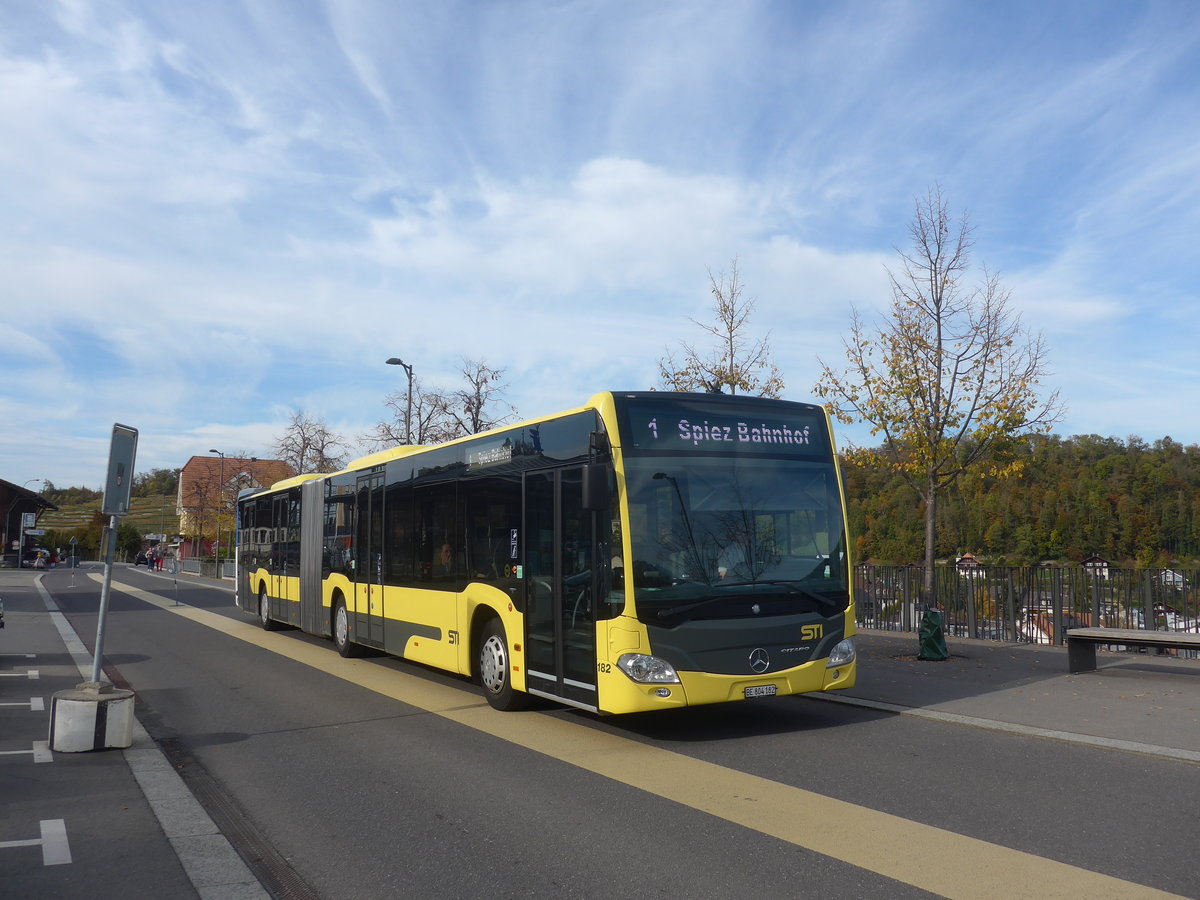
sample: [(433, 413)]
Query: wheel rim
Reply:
[(264, 608), (341, 627), (493, 664)]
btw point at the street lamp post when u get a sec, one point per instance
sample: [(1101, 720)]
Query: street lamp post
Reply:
[(217, 506), (408, 370)]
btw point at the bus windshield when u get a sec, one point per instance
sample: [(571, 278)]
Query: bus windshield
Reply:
[(728, 536)]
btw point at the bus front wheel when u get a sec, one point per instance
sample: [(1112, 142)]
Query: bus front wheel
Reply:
[(341, 631), (495, 672)]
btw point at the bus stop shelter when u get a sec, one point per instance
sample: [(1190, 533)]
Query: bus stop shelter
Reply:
[(17, 504)]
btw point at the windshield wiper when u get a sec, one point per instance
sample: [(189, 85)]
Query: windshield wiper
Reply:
[(793, 587), (687, 607)]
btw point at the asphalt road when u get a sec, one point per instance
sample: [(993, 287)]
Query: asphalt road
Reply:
[(378, 778)]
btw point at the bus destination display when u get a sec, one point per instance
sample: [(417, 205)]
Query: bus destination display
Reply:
[(686, 428)]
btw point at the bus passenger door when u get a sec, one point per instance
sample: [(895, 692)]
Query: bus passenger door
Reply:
[(368, 560), (560, 577), (279, 557)]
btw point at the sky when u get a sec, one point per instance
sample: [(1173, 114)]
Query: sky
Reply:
[(214, 214)]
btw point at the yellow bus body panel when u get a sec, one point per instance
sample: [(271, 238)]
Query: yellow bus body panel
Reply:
[(280, 587), (256, 579), (437, 610), (452, 615), (618, 694), (812, 676), (484, 600), (337, 584), (291, 588)]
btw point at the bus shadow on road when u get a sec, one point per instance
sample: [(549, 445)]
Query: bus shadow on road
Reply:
[(731, 721)]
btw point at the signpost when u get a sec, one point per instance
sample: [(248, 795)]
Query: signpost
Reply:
[(95, 715), (28, 521), (118, 488)]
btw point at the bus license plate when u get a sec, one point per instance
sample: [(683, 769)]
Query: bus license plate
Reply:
[(760, 690)]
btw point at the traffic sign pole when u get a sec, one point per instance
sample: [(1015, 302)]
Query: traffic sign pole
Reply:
[(117, 490), (109, 550), (96, 715)]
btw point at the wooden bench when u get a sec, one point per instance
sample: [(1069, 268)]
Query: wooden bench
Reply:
[(1081, 643)]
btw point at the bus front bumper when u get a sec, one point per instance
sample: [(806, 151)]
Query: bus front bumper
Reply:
[(620, 695)]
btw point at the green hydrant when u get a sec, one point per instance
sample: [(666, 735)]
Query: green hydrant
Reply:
[(931, 637)]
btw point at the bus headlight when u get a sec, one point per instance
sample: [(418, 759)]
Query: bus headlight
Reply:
[(647, 669), (841, 654)]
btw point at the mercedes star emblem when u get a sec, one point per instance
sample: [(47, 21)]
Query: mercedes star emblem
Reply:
[(759, 660)]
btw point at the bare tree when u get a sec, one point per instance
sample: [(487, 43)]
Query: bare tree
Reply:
[(203, 497), (949, 377), (735, 363), (430, 423), (307, 445), (478, 405), (444, 415)]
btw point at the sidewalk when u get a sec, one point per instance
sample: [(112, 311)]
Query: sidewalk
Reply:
[(80, 824), (1137, 702), (90, 824)]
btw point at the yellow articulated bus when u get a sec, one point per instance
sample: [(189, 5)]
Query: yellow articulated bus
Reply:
[(645, 551)]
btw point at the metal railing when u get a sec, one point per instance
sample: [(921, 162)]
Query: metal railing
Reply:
[(1033, 604), (208, 567)]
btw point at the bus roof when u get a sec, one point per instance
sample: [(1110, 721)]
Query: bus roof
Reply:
[(382, 456), (292, 482), (596, 401), (600, 401)]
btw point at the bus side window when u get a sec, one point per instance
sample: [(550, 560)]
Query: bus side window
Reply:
[(492, 514), (398, 536), (439, 550)]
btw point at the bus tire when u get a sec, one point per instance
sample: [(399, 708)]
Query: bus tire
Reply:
[(341, 631), (495, 669), (264, 611)]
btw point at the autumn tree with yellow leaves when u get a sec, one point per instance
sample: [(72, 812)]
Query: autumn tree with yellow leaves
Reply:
[(736, 363), (949, 377)]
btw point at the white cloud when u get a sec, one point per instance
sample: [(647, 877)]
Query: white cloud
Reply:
[(1061, 298), (217, 213), (618, 223)]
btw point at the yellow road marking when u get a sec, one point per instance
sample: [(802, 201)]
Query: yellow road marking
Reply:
[(932, 859)]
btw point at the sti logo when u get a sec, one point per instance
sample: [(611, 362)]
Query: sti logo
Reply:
[(812, 632)]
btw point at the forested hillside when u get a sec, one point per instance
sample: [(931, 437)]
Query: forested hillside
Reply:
[(1131, 502)]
